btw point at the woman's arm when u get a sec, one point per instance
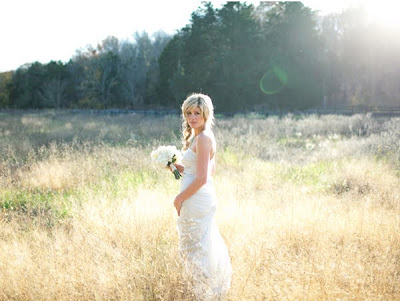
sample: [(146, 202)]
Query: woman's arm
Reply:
[(203, 149), (214, 167)]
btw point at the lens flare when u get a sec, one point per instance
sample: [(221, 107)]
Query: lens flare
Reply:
[(273, 81)]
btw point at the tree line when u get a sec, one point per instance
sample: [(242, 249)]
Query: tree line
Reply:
[(113, 74), (278, 55)]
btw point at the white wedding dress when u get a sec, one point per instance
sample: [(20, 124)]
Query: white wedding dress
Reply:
[(203, 250)]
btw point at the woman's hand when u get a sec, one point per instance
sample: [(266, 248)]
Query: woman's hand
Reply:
[(178, 204), (179, 167)]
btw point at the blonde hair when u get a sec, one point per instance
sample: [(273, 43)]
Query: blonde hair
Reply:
[(204, 103)]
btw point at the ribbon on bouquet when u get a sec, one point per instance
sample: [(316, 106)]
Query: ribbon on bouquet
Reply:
[(176, 172)]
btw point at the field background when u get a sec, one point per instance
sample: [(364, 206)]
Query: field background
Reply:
[(309, 207)]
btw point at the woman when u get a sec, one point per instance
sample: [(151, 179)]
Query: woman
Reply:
[(203, 250)]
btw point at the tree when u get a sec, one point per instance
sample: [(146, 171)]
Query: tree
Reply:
[(329, 33), (52, 92), (170, 66), (228, 52), (97, 71), (5, 87), (290, 34), (153, 71), (139, 69), (27, 81), (210, 55), (234, 81)]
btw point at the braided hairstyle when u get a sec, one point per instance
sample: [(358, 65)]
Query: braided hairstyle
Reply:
[(204, 103)]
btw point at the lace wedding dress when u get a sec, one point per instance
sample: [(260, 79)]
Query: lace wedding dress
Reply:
[(203, 250)]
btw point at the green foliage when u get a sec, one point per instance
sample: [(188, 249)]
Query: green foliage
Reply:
[(227, 52), (277, 55), (5, 87), (111, 75), (169, 65)]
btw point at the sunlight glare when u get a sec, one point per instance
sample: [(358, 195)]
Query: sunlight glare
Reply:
[(384, 13)]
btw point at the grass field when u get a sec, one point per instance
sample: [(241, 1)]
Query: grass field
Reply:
[(309, 207)]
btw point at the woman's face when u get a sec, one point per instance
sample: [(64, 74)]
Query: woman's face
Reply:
[(195, 118)]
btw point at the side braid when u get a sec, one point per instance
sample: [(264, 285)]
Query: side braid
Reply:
[(187, 133)]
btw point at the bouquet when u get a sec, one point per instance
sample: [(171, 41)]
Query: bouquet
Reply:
[(167, 156)]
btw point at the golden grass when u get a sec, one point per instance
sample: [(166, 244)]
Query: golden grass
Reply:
[(313, 231)]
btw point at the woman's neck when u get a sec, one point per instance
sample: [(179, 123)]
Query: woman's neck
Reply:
[(199, 131)]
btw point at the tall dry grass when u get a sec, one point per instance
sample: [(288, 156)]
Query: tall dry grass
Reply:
[(309, 208)]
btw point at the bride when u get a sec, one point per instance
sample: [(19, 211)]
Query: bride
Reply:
[(204, 253)]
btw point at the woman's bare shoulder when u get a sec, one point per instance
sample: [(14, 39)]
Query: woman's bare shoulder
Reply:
[(206, 137)]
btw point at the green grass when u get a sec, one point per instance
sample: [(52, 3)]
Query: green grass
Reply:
[(313, 174), (37, 202)]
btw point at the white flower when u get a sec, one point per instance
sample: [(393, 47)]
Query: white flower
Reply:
[(165, 156), (171, 150)]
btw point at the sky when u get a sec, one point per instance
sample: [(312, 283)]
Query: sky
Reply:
[(45, 30)]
